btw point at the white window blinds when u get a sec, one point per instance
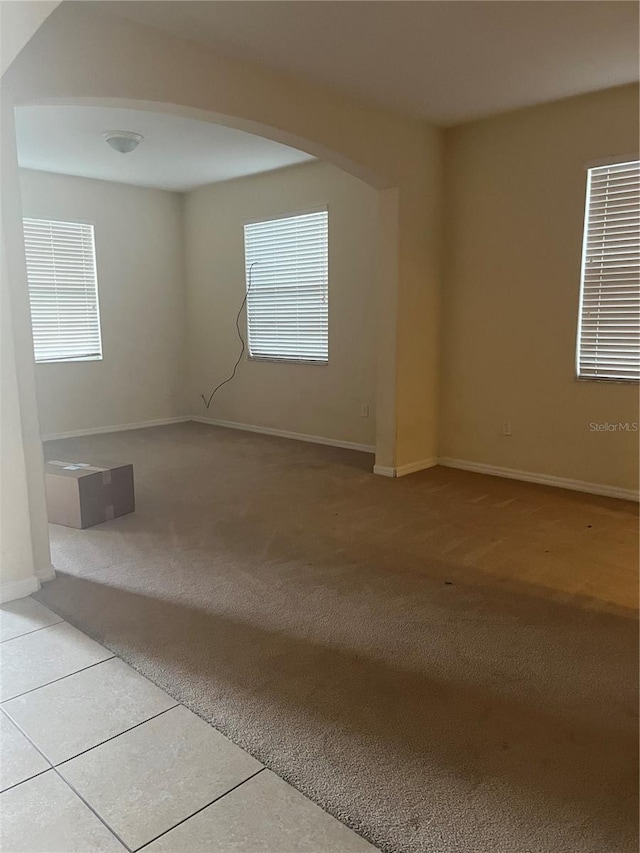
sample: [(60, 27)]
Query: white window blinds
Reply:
[(609, 325), (287, 277), (63, 290)]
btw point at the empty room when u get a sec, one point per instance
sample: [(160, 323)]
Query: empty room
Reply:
[(320, 354)]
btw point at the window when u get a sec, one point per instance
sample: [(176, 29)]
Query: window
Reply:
[(609, 321), (287, 281), (63, 290)]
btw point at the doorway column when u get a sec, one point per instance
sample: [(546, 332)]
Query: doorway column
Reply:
[(25, 558)]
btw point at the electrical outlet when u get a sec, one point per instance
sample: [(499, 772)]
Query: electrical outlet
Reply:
[(364, 410), (506, 427)]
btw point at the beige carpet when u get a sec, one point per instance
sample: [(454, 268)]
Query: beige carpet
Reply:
[(443, 662)]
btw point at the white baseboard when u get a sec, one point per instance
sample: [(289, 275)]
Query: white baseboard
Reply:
[(18, 589), (543, 479), (46, 574), (403, 470), (382, 470), (283, 433), (76, 433), (420, 465)]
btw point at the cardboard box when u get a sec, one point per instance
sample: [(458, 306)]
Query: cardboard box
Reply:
[(81, 495)]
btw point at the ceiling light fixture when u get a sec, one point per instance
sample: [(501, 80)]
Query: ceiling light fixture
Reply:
[(123, 141)]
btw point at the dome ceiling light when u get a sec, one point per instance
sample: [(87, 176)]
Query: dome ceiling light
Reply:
[(123, 141)]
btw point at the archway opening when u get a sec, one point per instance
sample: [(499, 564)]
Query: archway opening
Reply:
[(63, 398)]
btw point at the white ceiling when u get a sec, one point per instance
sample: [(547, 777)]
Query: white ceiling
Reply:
[(177, 153), (447, 62)]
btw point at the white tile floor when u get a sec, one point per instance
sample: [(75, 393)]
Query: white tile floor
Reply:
[(94, 757)]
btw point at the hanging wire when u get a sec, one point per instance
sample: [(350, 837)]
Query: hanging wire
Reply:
[(207, 400)]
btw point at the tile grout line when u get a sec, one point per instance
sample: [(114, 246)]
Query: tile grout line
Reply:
[(35, 630), (185, 819), (68, 784), (62, 677), (91, 809), (113, 737), (41, 628), (22, 781), (84, 751)]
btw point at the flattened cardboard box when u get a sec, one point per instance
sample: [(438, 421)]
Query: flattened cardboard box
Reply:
[(81, 495)]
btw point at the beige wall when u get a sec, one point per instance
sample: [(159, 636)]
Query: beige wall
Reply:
[(140, 265), (320, 400), (514, 219), (18, 23)]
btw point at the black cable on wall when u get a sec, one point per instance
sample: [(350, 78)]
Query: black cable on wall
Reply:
[(207, 400)]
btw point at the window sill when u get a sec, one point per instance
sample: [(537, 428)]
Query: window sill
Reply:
[(69, 360), (273, 360), (606, 379)]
